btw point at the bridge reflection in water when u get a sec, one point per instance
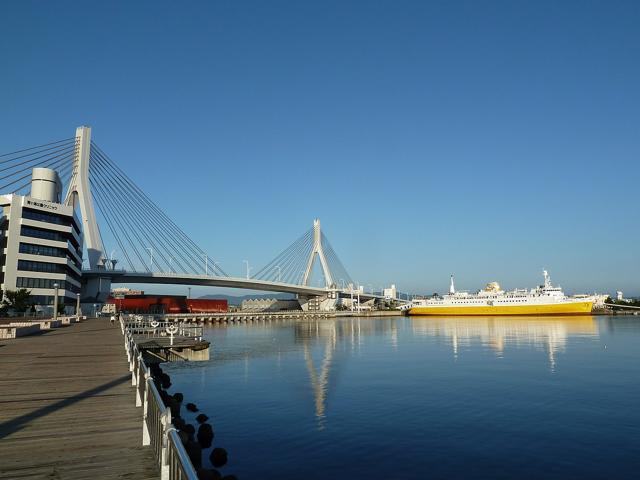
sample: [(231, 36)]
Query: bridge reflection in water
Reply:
[(320, 350), (424, 396), (546, 334)]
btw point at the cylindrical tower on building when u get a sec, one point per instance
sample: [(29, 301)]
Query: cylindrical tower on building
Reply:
[(46, 185)]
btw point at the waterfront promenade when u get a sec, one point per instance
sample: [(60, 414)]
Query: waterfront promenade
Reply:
[(67, 408)]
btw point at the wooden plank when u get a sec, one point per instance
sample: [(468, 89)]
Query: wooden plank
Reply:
[(67, 408)]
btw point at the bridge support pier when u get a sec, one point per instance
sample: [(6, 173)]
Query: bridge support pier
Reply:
[(98, 288)]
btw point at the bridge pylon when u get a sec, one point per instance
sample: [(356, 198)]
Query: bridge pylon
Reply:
[(319, 251), (79, 192)]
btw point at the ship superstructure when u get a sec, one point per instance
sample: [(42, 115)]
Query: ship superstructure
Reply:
[(545, 299)]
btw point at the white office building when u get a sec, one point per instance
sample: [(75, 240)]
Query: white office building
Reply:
[(41, 242)]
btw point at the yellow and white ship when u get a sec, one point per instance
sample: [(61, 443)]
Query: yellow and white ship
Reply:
[(543, 300)]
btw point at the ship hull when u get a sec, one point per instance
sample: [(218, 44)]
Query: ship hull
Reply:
[(568, 308)]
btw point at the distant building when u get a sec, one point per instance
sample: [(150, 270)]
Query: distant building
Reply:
[(121, 292), (619, 295), (41, 242), (269, 305), (390, 293), (161, 304)]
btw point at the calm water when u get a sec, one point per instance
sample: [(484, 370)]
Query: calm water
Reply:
[(424, 398)]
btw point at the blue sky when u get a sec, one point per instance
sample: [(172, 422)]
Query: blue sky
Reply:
[(485, 139)]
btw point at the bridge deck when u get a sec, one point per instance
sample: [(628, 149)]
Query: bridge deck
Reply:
[(67, 408)]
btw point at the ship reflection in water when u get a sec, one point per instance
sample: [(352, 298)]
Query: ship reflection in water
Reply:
[(549, 334), (400, 397)]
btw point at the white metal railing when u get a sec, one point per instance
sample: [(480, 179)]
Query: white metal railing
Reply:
[(148, 326), (157, 430)]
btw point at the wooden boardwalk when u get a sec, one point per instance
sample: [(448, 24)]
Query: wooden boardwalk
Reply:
[(67, 408)]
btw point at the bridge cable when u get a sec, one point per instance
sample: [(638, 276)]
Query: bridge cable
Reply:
[(162, 248), (63, 156), (151, 222), (119, 220), (97, 196), (115, 235), (296, 258), (125, 206), (298, 261), (336, 263), (188, 243), (162, 215), (289, 262), (28, 183), (177, 232), (49, 164), (167, 240), (64, 149), (283, 259), (131, 223), (72, 139), (148, 220)]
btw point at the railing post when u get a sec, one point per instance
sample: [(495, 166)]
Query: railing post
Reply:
[(132, 359), (139, 378), (146, 438), (134, 372), (164, 465)]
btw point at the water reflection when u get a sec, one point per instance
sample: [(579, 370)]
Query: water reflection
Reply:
[(320, 381), (316, 399), (548, 334), (327, 344)]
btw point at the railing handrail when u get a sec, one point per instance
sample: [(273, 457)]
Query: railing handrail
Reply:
[(184, 461), (158, 431), (152, 329)]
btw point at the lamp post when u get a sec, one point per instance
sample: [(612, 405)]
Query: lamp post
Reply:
[(206, 264), (248, 268), (78, 312), (151, 252), (55, 302), (189, 296)]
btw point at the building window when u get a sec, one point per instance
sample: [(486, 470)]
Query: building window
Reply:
[(41, 233), (41, 267), (45, 217), (33, 249), (36, 232), (48, 283)]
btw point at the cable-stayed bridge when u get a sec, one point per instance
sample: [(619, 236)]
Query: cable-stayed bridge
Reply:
[(117, 216)]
